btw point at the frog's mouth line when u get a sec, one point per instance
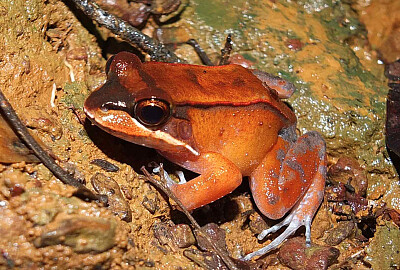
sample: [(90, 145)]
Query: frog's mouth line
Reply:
[(162, 136)]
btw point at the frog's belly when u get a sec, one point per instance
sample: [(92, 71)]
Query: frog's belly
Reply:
[(242, 134)]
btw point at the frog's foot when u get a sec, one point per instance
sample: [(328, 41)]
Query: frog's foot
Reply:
[(170, 182), (294, 221)]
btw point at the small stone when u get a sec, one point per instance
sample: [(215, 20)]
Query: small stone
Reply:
[(175, 236), (116, 202), (257, 224), (82, 234), (216, 234), (183, 235), (295, 255), (349, 172), (105, 165), (151, 201), (77, 54), (340, 233), (205, 259), (211, 261)]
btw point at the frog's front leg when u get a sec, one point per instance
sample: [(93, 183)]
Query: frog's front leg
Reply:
[(218, 177), (291, 176)]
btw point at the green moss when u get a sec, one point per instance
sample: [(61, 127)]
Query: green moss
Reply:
[(384, 250)]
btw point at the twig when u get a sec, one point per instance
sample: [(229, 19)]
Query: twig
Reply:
[(124, 30), (22, 132), (229, 263), (226, 51)]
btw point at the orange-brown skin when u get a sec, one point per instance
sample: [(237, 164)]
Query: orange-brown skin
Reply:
[(224, 123)]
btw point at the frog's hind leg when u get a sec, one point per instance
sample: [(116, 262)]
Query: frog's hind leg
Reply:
[(297, 184)]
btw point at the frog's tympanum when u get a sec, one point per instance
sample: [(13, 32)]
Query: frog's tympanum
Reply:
[(223, 122)]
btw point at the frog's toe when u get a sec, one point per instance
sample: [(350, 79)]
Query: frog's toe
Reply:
[(293, 223), (166, 176), (181, 176)]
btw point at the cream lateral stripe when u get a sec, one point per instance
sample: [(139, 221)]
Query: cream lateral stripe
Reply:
[(158, 134)]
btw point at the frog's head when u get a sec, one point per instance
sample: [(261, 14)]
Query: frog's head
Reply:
[(130, 106)]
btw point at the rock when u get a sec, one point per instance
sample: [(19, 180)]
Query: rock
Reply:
[(82, 234), (383, 250), (105, 165), (257, 224), (183, 235), (216, 234), (205, 259), (339, 233), (348, 171), (295, 255), (116, 202), (175, 236)]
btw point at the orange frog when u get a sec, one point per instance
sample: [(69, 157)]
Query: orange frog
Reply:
[(223, 122)]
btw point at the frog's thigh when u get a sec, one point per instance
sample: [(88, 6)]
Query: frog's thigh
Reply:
[(218, 177), (286, 173)]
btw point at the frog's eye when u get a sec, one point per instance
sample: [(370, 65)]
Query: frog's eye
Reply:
[(152, 112)]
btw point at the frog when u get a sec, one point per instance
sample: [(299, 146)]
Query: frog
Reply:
[(223, 123)]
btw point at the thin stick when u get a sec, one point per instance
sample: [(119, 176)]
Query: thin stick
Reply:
[(124, 30), (22, 132), (229, 263)]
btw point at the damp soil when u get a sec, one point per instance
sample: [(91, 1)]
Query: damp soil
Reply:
[(52, 57)]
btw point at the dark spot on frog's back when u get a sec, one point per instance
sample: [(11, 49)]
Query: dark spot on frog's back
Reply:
[(238, 82), (192, 76), (273, 199)]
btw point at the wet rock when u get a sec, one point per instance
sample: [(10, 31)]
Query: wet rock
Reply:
[(294, 44), (295, 255), (339, 233), (392, 214), (116, 202), (383, 250), (335, 193), (138, 12), (175, 236), (216, 234), (349, 202), (349, 172), (127, 191), (172, 35), (82, 234)]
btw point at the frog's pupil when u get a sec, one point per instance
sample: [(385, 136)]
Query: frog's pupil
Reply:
[(152, 114)]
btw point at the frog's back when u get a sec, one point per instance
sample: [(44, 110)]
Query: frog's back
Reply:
[(207, 84)]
